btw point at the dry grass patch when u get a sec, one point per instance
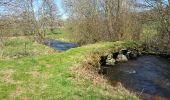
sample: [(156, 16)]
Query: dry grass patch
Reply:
[(17, 93), (7, 76)]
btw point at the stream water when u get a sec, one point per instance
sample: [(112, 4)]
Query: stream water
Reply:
[(148, 76), (59, 45)]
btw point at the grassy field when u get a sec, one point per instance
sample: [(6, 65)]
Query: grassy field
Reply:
[(23, 46), (17, 47), (49, 77), (59, 34)]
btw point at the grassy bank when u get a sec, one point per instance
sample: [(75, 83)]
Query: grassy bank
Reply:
[(51, 77), (22, 46)]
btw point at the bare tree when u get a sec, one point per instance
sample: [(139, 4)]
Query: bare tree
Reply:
[(49, 14), (101, 20)]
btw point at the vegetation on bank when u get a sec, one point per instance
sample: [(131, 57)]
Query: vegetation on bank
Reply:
[(50, 77), (22, 46), (59, 34)]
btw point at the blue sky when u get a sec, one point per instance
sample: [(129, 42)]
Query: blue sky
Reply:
[(38, 2), (60, 7)]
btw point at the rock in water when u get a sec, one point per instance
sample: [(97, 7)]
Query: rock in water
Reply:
[(132, 54), (110, 56), (110, 62), (121, 58), (128, 54)]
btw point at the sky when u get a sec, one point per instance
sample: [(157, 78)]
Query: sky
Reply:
[(59, 5), (38, 2), (61, 8)]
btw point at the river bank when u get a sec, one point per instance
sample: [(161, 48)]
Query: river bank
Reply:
[(55, 76)]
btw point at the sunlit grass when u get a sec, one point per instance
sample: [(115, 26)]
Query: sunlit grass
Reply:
[(59, 34), (17, 47), (49, 77)]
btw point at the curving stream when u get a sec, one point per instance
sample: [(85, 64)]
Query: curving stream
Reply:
[(59, 45), (148, 75)]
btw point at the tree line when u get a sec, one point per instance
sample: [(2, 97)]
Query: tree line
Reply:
[(91, 21), (28, 17), (103, 20), (119, 20)]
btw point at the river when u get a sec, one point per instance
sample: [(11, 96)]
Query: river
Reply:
[(59, 45), (148, 76)]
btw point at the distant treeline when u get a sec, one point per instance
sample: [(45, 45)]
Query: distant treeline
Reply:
[(28, 17)]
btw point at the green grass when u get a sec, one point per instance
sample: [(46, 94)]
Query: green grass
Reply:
[(14, 47), (59, 34), (55, 31), (49, 77)]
